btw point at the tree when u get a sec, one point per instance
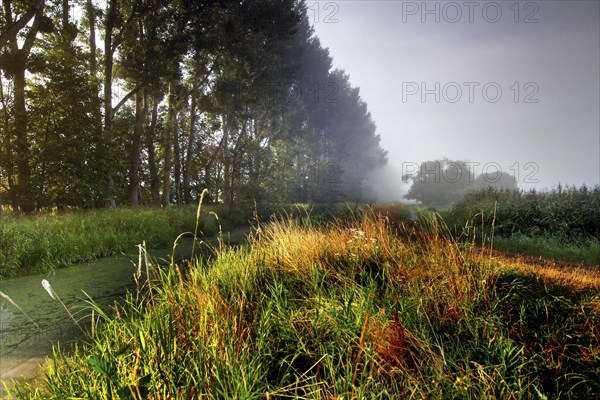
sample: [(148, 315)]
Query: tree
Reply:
[(13, 61), (66, 153), (11, 27), (235, 96), (497, 180), (443, 182)]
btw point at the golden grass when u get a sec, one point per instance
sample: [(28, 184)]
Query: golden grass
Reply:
[(575, 277), (427, 257)]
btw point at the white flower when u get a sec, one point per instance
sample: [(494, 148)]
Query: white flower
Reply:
[(48, 288)]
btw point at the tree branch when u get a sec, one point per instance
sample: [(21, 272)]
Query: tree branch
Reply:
[(15, 27), (124, 100), (32, 33), (119, 36)]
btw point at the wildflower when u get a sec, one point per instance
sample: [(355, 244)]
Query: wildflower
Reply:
[(357, 233)]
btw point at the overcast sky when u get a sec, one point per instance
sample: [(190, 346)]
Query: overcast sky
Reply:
[(517, 86)]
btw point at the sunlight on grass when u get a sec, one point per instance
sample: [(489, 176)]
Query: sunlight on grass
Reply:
[(356, 308)]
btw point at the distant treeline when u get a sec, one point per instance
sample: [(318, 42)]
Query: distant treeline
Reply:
[(235, 96), (442, 182)]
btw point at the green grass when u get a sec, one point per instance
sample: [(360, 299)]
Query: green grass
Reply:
[(563, 224), (341, 310), (42, 243), (587, 253), (45, 242)]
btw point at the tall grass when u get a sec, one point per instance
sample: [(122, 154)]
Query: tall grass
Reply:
[(345, 310), (45, 242), (562, 224)]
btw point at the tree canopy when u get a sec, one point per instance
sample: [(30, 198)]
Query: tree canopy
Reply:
[(443, 182), (238, 97)]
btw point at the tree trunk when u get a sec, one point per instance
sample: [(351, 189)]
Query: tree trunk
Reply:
[(21, 144), (209, 165), (92, 21), (225, 160), (13, 28), (6, 161), (108, 72), (168, 146), (65, 15), (141, 110), (23, 190), (235, 167), (152, 167), (187, 171), (177, 163)]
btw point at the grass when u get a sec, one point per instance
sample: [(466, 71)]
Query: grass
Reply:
[(561, 224), (45, 242), (347, 309), (586, 252), (42, 243)]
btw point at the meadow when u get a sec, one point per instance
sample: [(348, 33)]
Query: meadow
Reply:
[(359, 307)]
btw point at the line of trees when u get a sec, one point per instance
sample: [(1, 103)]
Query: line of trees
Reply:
[(444, 182), (237, 97)]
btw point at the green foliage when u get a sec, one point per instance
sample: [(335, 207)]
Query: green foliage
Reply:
[(563, 224), (557, 248), (571, 214), (560, 342), (43, 243), (254, 111), (65, 120)]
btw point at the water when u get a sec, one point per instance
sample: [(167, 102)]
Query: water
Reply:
[(106, 281)]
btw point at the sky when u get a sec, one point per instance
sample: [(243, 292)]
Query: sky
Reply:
[(507, 86)]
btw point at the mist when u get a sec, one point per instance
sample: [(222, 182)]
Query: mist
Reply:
[(516, 91)]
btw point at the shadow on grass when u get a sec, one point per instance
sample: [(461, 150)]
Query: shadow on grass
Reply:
[(558, 329)]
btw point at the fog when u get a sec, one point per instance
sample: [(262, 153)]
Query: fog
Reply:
[(505, 86)]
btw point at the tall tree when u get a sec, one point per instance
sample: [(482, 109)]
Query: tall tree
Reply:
[(141, 110), (236, 96), (149, 141), (170, 127), (14, 62)]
